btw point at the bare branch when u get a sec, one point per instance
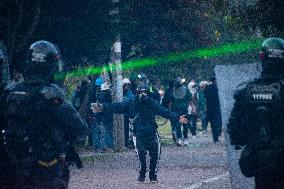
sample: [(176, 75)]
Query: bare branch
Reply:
[(33, 24)]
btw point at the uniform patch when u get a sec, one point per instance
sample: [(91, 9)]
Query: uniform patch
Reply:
[(275, 53), (38, 57), (262, 97)]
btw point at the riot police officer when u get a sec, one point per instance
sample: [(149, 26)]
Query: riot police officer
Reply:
[(38, 123), (142, 110), (257, 120)]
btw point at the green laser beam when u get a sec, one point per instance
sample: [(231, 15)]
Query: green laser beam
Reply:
[(227, 49)]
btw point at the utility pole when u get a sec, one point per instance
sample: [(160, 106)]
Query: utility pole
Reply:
[(117, 94)]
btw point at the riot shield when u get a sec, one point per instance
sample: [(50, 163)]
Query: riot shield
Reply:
[(229, 77)]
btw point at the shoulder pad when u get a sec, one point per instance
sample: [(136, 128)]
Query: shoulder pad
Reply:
[(52, 91), (240, 90), (244, 85), (11, 86)]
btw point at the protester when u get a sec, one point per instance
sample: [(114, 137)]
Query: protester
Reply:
[(80, 94), (143, 109), (143, 79), (98, 129), (167, 103), (192, 107), (180, 102), (202, 105), (83, 95), (106, 120), (213, 112), (127, 95)]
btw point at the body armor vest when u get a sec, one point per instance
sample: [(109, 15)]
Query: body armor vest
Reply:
[(31, 134), (265, 112)]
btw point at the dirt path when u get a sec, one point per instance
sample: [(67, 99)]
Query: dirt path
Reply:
[(200, 165)]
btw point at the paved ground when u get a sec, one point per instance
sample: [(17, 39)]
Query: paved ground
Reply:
[(201, 165)]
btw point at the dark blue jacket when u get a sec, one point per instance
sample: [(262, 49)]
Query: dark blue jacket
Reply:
[(145, 123), (212, 103)]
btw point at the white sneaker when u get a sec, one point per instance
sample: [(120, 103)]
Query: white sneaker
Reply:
[(179, 142), (186, 142), (193, 137)]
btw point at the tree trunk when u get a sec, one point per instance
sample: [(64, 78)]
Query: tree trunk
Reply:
[(118, 122)]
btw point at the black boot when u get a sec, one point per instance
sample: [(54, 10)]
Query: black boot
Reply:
[(141, 178)]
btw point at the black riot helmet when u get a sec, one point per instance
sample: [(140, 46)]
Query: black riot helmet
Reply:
[(44, 60), (272, 57)]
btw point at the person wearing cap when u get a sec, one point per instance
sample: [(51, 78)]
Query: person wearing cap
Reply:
[(142, 110), (126, 84), (103, 127), (98, 133), (107, 120)]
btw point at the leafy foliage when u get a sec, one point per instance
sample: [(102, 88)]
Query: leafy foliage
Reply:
[(85, 31), (79, 27)]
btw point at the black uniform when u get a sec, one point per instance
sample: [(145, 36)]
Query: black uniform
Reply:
[(38, 125), (145, 128), (257, 121)]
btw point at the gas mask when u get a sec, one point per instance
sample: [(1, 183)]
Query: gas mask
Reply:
[(143, 96)]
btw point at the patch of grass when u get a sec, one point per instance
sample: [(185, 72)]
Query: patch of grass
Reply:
[(165, 131), (164, 127), (96, 157)]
